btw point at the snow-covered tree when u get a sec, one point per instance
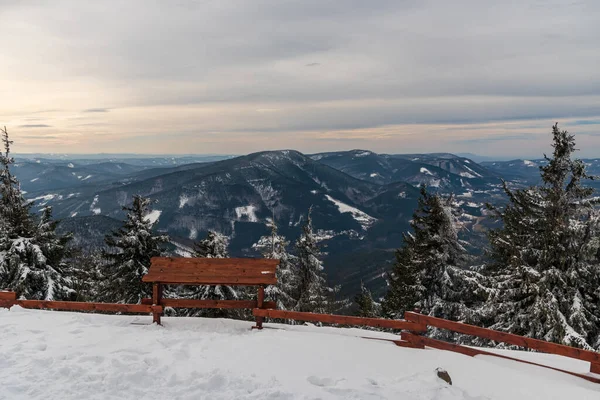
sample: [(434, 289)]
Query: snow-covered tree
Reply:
[(431, 271), (14, 209), (367, 307), (128, 255), (85, 273), (213, 246), (31, 253), (545, 256), (311, 289), (274, 247)]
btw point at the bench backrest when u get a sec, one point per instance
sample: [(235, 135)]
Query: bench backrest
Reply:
[(212, 271)]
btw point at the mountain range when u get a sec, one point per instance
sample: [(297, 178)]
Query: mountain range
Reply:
[(361, 201)]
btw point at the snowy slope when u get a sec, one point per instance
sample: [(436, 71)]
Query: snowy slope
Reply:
[(58, 355)]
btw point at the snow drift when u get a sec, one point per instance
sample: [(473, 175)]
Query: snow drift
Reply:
[(59, 355)]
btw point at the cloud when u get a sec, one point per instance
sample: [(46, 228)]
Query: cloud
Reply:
[(248, 71), (35, 126), (96, 110)]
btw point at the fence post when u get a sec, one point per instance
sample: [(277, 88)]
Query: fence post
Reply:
[(8, 299), (413, 337), (156, 300), (260, 301)]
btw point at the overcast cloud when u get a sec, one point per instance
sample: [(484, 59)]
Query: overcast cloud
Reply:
[(487, 77)]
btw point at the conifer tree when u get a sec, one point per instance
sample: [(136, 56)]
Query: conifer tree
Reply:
[(31, 253), (213, 246), (367, 307), (274, 247), (312, 290), (404, 289), (128, 255), (431, 270), (545, 256)]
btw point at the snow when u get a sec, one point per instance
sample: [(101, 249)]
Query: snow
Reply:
[(87, 177), (183, 200), (153, 216), (362, 154), (247, 211), (68, 356), (467, 175), (93, 208), (374, 174), (71, 165), (425, 171), (34, 179), (362, 218), (529, 163), (44, 199), (435, 183), (473, 172)]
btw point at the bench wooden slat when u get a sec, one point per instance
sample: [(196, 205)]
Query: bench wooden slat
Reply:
[(195, 280), (238, 273), (212, 271), (183, 303), (184, 262)]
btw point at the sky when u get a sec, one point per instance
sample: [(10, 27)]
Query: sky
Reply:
[(233, 77)]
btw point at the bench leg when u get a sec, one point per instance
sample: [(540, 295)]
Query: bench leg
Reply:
[(260, 304), (156, 300), (595, 368)]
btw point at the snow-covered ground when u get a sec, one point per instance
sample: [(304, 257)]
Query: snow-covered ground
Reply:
[(362, 218), (59, 355)]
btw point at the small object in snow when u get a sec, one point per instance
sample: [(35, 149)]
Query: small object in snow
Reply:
[(444, 375)]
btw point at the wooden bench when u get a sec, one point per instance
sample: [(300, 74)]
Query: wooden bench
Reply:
[(211, 271)]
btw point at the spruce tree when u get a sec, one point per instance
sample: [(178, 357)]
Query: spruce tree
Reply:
[(274, 247), (431, 271), (31, 253), (545, 256), (311, 290), (213, 246), (367, 307), (128, 255)]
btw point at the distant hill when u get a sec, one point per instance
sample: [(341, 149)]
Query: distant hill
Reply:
[(444, 172)]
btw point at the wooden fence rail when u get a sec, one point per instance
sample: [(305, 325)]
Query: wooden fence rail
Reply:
[(504, 337), (422, 341), (340, 319), (9, 299)]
